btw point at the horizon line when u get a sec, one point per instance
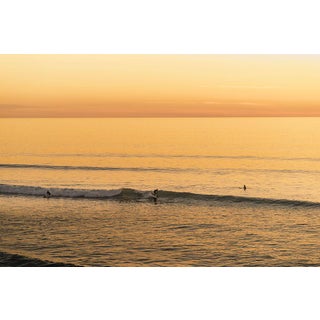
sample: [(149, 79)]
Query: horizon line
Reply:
[(162, 117)]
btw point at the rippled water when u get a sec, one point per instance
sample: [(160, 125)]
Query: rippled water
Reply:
[(112, 233), (101, 171)]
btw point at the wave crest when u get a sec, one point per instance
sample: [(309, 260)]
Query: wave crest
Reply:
[(136, 195)]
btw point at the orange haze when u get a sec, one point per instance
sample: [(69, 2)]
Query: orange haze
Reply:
[(159, 85)]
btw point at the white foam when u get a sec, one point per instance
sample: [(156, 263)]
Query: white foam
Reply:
[(58, 192)]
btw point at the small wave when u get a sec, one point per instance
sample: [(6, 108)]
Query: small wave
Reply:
[(57, 167), (220, 171), (238, 199), (137, 195), (17, 260), (167, 156), (58, 192)]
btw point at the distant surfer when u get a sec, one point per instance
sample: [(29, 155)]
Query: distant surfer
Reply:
[(47, 194), (154, 195), (244, 187)]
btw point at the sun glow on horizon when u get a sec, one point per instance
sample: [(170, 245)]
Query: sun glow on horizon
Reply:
[(159, 85)]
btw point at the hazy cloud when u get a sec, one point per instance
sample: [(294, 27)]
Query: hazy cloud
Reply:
[(250, 103), (211, 102), (246, 87)]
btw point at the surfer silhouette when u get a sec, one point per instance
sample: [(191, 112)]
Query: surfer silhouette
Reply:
[(154, 194), (48, 194), (244, 187)]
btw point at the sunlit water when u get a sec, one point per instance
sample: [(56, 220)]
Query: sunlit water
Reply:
[(203, 217)]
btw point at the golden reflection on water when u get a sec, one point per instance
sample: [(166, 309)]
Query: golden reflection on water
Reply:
[(266, 137), (108, 233), (276, 157)]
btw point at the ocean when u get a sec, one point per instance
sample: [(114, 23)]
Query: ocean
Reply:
[(101, 174)]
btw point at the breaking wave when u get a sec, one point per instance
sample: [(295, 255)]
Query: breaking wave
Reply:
[(137, 195)]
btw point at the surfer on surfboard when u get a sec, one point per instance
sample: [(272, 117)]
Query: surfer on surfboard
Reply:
[(154, 195), (47, 195)]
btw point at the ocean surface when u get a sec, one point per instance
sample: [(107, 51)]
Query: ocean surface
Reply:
[(100, 173)]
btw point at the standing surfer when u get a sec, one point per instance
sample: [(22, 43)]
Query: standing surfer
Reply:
[(154, 194)]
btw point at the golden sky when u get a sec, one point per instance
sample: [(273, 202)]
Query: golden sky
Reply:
[(159, 85)]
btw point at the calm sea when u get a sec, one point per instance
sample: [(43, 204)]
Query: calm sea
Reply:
[(100, 173)]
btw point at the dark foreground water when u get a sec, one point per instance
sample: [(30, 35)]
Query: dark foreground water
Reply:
[(171, 233)]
